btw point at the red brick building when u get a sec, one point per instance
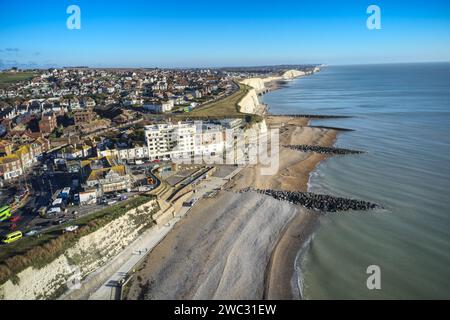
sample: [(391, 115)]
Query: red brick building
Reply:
[(47, 123)]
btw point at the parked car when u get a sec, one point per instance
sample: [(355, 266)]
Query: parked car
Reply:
[(15, 219), (31, 233), (54, 210), (58, 222), (189, 203), (70, 228)]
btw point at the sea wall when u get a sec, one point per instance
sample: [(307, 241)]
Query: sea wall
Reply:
[(88, 254)]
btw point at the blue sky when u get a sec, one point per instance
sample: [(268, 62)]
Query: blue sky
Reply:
[(221, 33)]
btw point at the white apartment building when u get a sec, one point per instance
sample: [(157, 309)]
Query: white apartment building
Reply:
[(138, 152), (202, 141), (160, 108), (171, 141), (167, 105), (133, 153), (209, 141)]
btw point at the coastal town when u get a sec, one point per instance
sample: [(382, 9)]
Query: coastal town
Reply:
[(223, 159), (82, 129), (79, 143)]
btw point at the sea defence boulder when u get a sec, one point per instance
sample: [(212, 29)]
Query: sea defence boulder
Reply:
[(322, 150), (312, 116), (321, 202)]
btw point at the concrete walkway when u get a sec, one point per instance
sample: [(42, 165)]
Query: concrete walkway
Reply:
[(135, 252)]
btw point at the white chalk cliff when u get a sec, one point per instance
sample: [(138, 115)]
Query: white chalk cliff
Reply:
[(88, 254), (291, 74), (250, 103)]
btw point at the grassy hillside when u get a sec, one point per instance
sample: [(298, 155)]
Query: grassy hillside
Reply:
[(7, 78), (223, 108)]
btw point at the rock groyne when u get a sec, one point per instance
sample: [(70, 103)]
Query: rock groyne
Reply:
[(322, 202), (312, 116), (333, 128), (322, 150)]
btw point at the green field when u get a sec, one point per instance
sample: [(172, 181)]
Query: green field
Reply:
[(224, 108), (7, 78)]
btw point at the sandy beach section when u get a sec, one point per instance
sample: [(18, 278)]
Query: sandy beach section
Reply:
[(239, 245), (281, 281), (293, 175)]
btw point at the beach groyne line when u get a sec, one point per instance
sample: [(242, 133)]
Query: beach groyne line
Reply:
[(311, 116), (321, 202), (322, 150), (332, 128)]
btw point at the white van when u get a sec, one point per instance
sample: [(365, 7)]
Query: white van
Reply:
[(54, 210)]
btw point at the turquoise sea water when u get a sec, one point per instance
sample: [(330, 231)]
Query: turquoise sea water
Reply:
[(402, 118)]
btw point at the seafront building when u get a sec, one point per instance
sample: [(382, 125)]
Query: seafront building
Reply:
[(209, 141), (170, 141), (201, 141)]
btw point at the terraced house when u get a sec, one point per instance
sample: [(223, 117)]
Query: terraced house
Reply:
[(76, 151), (10, 167), (14, 164)]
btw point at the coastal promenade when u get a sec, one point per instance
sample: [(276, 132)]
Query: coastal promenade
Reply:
[(230, 234), (127, 260)]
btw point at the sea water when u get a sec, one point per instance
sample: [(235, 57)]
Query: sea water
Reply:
[(401, 117)]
